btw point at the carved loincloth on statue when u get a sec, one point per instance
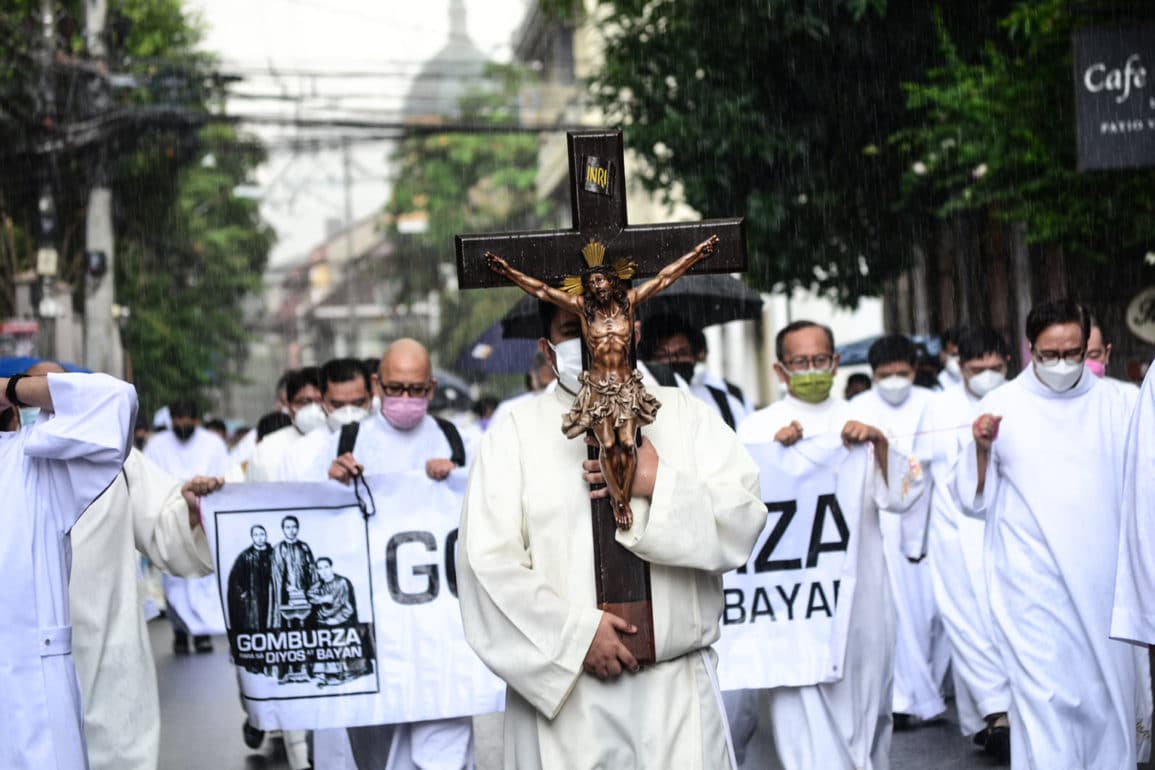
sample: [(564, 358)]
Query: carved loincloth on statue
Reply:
[(619, 401)]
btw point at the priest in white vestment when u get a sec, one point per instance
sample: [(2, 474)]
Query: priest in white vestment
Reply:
[(143, 509), (982, 691), (847, 724), (671, 341), (528, 593), (303, 390), (184, 451), (52, 471), (1099, 359), (948, 356), (1133, 619), (277, 457), (1045, 469), (148, 510), (899, 408), (400, 436)]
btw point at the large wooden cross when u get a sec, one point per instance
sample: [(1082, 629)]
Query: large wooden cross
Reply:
[(598, 199)]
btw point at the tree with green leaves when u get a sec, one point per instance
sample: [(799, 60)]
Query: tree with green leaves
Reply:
[(189, 251), (995, 132), (779, 112), (464, 183)]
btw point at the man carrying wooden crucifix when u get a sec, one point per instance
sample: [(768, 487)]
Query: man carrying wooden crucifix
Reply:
[(612, 401), (577, 697)]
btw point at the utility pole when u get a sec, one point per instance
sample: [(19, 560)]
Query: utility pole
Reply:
[(351, 282), (102, 345), (46, 254)]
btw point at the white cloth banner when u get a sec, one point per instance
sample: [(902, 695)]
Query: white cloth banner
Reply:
[(336, 619), (787, 611)]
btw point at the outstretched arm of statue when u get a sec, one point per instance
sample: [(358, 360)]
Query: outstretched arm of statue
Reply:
[(673, 271), (530, 285)]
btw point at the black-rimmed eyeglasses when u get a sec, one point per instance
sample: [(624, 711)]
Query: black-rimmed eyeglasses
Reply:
[(820, 362), (1072, 356), (414, 390)]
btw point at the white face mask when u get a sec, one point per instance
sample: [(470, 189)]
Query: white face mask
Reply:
[(569, 363), (701, 371), (310, 418), (345, 415), (953, 368), (1060, 376), (985, 381), (894, 389)]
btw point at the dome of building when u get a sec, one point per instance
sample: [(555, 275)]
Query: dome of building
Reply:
[(435, 95)]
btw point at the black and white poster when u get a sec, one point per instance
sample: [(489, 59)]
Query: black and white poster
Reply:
[(791, 601), (338, 619)]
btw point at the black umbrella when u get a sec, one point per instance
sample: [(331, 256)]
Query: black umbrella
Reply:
[(702, 300), (452, 393), (494, 353)]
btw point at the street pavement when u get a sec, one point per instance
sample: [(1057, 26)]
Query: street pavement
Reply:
[(201, 723)]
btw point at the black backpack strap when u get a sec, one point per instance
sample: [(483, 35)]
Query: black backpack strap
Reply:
[(723, 405), (456, 445), (348, 438), (735, 391)]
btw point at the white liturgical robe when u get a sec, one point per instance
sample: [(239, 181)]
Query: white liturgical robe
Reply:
[(1052, 505), (922, 653), (715, 391), (846, 724), (960, 585), (445, 744), (1133, 618), (528, 597), (50, 472), (195, 601), (142, 510), (265, 461)]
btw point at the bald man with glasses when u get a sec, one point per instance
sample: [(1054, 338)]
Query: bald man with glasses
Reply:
[(400, 436)]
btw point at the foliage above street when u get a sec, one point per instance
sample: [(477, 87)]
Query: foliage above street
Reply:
[(996, 132), (188, 250), (841, 129), (453, 183), (779, 112)]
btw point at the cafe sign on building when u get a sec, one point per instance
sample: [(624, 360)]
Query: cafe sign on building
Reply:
[(1115, 97)]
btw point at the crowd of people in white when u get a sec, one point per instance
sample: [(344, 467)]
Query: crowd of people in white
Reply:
[(1005, 555)]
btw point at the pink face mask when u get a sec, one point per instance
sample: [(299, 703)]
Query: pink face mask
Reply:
[(404, 412), (1097, 368)]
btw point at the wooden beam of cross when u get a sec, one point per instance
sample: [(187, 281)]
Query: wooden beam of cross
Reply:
[(598, 200)]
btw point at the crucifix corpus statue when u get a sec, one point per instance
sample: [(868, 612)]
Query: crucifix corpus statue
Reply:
[(612, 402)]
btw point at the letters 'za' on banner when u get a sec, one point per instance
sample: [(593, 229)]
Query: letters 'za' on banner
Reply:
[(335, 619), (787, 610)]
